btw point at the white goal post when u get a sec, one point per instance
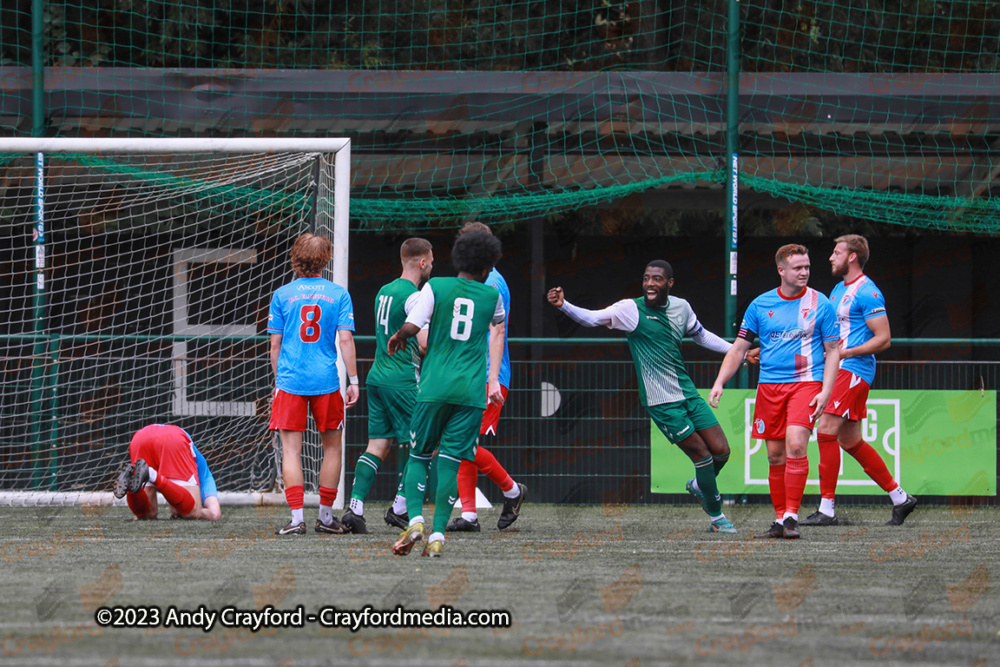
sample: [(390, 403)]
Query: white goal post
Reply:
[(147, 263)]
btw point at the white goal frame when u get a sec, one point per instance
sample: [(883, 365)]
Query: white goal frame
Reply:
[(340, 148)]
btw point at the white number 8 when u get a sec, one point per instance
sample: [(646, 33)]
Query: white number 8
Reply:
[(461, 319)]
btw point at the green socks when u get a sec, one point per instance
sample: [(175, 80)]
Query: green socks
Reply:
[(704, 472)]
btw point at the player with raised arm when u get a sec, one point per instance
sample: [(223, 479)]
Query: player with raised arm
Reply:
[(163, 458), (392, 385), (486, 462), (655, 325), (798, 335), (306, 319), (450, 399), (864, 332)]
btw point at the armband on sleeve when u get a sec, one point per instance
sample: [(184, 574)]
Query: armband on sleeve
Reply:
[(746, 334)]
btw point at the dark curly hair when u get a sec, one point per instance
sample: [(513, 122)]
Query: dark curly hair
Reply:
[(476, 252)]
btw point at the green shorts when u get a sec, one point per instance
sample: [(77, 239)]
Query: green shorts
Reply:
[(453, 429), (679, 420), (389, 412)]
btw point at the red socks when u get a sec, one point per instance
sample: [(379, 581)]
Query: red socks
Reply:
[(874, 465), (175, 494), (829, 465), (776, 482), (138, 503), (468, 472), (295, 496), (326, 496), (796, 473)]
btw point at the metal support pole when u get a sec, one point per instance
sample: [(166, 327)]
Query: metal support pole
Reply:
[(733, 176), (38, 326), (732, 161), (37, 68)]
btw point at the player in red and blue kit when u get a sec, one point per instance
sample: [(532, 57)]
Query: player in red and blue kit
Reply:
[(306, 319), (864, 332), (799, 355), (163, 458)]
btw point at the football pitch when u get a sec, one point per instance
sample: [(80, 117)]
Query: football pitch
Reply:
[(613, 585)]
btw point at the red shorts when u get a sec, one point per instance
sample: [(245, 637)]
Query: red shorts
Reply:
[(849, 398), (781, 405), (166, 449), (492, 414), (289, 411)]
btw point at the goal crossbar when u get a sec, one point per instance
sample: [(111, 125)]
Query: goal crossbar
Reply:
[(141, 145)]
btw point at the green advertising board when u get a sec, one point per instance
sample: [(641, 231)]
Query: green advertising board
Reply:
[(933, 442)]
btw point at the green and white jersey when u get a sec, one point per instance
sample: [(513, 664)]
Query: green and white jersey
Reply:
[(459, 312), (393, 303), (654, 339)]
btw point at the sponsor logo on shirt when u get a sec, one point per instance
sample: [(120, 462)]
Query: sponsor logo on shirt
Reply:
[(794, 334), (310, 288), (770, 313)]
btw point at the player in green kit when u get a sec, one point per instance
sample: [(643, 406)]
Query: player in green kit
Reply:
[(392, 385), (450, 399), (655, 325)]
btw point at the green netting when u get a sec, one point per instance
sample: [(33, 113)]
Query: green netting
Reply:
[(507, 111)]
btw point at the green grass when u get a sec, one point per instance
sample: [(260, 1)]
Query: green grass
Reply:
[(649, 579)]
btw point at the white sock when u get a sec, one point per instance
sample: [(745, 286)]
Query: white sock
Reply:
[(358, 506), (716, 518), (297, 517), (399, 504), (417, 519), (152, 475), (326, 514), (514, 492), (826, 506), (436, 537), (470, 516), (898, 495), (790, 514)]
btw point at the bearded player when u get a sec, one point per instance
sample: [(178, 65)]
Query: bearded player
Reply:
[(655, 325), (392, 385), (864, 332)]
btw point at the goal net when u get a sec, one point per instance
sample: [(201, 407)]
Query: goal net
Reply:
[(136, 283)]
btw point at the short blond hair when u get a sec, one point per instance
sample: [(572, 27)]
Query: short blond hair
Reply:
[(857, 244), (786, 251)]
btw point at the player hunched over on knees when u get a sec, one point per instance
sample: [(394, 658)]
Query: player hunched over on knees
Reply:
[(163, 458), (458, 313), (486, 463), (655, 325), (864, 332), (392, 385), (798, 335), (306, 319)]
